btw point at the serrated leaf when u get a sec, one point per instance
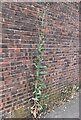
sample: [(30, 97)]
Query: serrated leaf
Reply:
[(44, 72)]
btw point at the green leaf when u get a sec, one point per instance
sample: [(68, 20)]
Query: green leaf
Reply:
[(45, 104), (37, 73), (42, 49), (43, 86), (34, 92), (41, 80), (39, 96), (44, 72), (45, 97), (35, 99), (32, 84), (39, 49), (39, 92), (43, 66), (40, 108), (35, 65)]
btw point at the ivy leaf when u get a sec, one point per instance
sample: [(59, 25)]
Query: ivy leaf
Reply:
[(43, 86), (44, 72)]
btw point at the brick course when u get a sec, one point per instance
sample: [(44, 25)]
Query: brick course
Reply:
[(19, 42)]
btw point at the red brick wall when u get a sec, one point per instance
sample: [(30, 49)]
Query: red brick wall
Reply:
[(19, 41), (80, 44)]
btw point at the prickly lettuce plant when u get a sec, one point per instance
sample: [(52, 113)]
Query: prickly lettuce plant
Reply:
[(40, 70)]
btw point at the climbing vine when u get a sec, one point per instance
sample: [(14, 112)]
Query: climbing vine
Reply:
[(40, 70)]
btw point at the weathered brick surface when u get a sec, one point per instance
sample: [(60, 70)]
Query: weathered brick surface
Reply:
[(19, 41), (40, 1)]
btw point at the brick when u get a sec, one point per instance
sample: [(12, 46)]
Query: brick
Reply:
[(18, 51)]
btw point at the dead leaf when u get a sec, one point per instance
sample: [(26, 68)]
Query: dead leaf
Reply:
[(35, 112)]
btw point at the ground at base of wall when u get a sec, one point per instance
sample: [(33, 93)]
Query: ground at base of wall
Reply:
[(69, 109)]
